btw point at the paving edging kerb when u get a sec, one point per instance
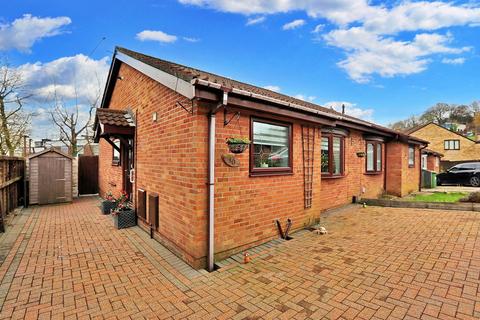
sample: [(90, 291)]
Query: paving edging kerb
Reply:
[(459, 206)]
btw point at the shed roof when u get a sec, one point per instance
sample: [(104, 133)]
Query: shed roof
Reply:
[(47, 151)]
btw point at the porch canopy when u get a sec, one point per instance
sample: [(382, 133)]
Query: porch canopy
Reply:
[(110, 123)]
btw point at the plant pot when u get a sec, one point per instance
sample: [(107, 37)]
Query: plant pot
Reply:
[(107, 206), (264, 165), (125, 219), (237, 147)]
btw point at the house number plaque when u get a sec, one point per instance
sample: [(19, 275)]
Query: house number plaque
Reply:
[(230, 160)]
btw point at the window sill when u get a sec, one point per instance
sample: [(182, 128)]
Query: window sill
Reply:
[(272, 173), (373, 173), (411, 166), (333, 177)]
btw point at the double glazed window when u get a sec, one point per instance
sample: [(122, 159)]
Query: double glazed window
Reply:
[(451, 144), (374, 156), (411, 156), (272, 146), (332, 155)]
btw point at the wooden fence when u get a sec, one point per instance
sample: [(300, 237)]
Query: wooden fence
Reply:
[(12, 173)]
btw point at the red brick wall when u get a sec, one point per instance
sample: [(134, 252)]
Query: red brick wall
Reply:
[(339, 191), (246, 207), (167, 160), (401, 178), (433, 163), (109, 175)]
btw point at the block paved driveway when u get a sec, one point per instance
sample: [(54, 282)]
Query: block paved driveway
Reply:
[(375, 263)]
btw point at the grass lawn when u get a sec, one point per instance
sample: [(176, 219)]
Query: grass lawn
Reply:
[(439, 197)]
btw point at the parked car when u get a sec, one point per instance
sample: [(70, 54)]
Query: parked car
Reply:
[(464, 174)]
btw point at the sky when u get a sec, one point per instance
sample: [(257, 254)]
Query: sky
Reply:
[(385, 60)]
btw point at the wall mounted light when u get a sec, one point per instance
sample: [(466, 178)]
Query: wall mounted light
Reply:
[(154, 117)]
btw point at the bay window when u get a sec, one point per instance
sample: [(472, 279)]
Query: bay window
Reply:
[(374, 156), (272, 147), (332, 155)]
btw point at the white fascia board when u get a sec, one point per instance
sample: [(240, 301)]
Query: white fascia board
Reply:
[(178, 85)]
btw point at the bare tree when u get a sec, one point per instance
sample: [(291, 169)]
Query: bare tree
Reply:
[(67, 119), (14, 120)]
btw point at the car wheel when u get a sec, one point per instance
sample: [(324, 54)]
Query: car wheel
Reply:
[(475, 181)]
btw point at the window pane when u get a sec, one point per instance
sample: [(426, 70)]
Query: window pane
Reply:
[(325, 154), (424, 161), (457, 144), (337, 161), (411, 156), (445, 144), (370, 157), (379, 157), (116, 154), (270, 145)]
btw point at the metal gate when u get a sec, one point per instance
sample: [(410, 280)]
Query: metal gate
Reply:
[(87, 175)]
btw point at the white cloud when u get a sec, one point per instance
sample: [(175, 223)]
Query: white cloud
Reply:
[(455, 61), (339, 11), (273, 88), (305, 97), (22, 33), (189, 39), (156, 35), (293, 24), (422, 15), (71, 77), (351, 109), (318, 28), (369, 53), (388, 55), (257, 20)]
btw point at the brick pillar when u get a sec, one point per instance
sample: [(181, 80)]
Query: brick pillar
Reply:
[(395, 163)]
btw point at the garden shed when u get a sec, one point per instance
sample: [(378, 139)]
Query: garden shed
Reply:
[(50, 177)]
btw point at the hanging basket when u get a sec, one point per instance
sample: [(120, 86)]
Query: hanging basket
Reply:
[(237, 147)]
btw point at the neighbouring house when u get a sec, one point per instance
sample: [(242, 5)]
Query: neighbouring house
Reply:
[(431, 160), (162, 130), (455, 147)]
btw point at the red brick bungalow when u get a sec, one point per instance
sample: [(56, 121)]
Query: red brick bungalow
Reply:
[(170, 122)]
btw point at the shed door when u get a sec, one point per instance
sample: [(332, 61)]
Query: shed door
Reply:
[(51, 180)]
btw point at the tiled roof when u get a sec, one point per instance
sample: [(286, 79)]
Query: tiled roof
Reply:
[(114, 117), (190, 74), (430, 151)]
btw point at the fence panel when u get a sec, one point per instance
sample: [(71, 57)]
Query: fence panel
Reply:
[(12, 174)]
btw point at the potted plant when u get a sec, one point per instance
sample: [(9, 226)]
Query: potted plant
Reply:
[(108, 203), (123, 214), (237, 144)]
